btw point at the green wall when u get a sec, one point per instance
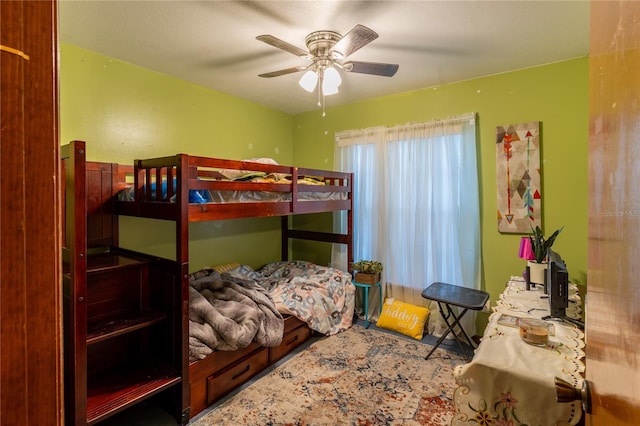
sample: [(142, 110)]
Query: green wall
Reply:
[(555, 94), (125, 112)]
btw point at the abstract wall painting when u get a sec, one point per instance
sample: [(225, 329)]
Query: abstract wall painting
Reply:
[(518, 174)]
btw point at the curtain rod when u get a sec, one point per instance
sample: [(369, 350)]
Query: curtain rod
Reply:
[(471, 116)]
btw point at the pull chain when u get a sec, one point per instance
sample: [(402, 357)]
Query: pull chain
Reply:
[(323, 104), (321, 96)]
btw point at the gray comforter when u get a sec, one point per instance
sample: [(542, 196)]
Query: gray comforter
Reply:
[(228, 313)]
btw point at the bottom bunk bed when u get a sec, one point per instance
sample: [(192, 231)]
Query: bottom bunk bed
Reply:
[(242, 321)]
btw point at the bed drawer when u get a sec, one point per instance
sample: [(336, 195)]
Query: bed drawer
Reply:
[(290, 341), (291, 323), (217, 361), (219, 384)]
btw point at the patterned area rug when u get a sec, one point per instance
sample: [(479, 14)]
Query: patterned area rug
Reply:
[(357, 377)]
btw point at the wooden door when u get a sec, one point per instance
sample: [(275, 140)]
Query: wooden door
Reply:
[(30, 282), (613, 291)]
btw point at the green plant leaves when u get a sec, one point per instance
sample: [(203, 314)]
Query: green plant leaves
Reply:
[(540, 244), (367, 266)]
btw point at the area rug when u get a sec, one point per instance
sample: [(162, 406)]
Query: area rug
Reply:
[(357, 377)]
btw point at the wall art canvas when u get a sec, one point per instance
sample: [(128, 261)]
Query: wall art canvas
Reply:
[(518, 174)]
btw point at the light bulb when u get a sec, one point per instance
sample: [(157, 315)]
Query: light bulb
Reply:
[(309, 80), (331, 81)]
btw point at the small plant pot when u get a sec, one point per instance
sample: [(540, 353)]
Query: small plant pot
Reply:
[(370, 279), (537, 272)]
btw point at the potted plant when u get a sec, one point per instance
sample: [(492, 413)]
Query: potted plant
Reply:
[(540, 246), (366, 271)]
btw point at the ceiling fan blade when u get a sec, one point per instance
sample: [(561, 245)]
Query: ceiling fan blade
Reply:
[(282, 72), (375, 68), (281, 44), (358, 37)]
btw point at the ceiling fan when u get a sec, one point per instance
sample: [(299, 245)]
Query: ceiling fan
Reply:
[(327, 51)]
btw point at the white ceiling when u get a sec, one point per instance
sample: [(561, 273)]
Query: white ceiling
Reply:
[(213, 43)]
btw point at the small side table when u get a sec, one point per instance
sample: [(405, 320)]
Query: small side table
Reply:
[(366, 299), (448, 295)]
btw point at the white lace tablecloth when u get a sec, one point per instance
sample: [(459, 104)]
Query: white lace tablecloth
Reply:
[(510, 382)]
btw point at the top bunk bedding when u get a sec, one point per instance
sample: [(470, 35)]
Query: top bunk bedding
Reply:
[(211, 188)]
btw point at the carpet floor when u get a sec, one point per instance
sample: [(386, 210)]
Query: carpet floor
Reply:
[(358, 377), (403, 357)]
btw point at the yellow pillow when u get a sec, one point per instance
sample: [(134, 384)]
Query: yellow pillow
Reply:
[(403, 317)]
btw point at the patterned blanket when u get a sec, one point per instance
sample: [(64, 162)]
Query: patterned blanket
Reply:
[(321, 296), (227, 313)]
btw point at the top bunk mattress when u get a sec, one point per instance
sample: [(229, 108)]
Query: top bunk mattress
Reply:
[(246, 196), (212, 180)]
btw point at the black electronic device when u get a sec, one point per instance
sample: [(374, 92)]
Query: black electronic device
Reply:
[(558, 286), (557, 283)]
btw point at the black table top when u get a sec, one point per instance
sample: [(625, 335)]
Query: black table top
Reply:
[(456, 295)]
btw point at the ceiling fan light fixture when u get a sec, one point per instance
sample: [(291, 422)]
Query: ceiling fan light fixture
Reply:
[(326, 50), (308, 81), (331, 81)]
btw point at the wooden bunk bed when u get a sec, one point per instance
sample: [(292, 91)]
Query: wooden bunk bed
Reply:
[(189, 189)]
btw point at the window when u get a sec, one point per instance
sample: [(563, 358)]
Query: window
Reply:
[(416, 204)]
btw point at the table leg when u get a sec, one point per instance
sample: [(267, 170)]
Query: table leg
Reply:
[(450, 329), (464, 333), (450, 313), (366, 307)]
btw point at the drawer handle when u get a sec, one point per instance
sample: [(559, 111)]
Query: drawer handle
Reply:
[(292, 339), (246, 369)]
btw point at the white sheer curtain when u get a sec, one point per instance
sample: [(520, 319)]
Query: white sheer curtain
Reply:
[(416, 206)]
